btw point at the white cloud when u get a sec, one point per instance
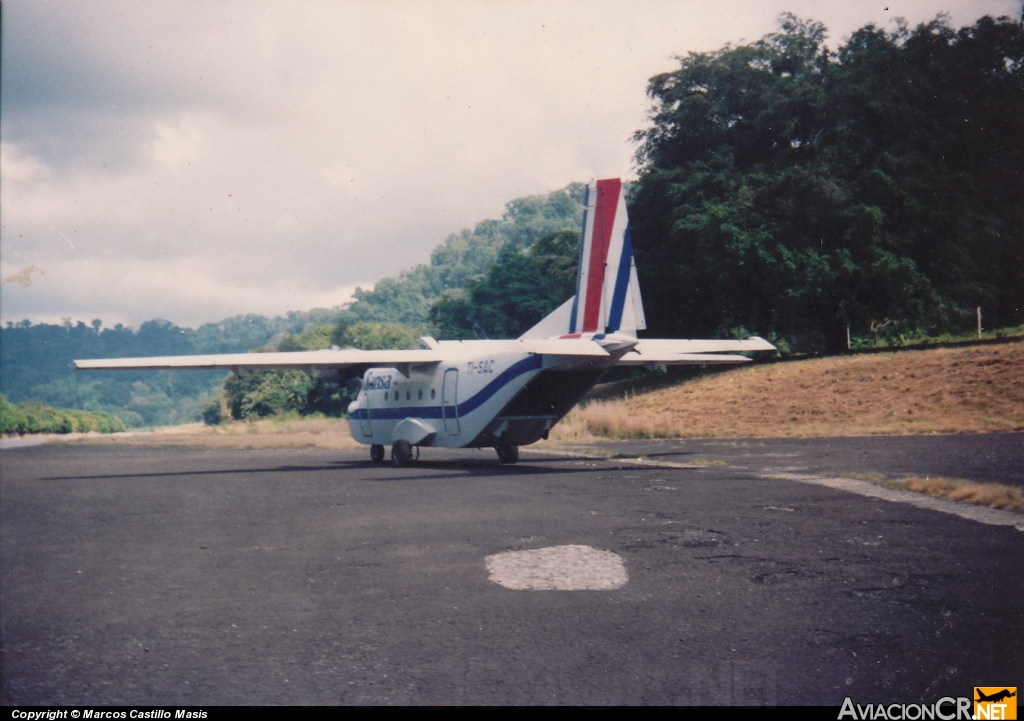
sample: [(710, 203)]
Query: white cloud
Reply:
[(97, 288), (188, 160)]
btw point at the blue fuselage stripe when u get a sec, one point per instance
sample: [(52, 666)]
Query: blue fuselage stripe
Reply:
[(532, 363)]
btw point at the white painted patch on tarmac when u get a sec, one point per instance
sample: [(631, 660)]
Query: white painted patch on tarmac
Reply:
[(981, 514), (558, 568)]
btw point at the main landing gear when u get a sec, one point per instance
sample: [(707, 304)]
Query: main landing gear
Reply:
[(401, 453), (508, 454)]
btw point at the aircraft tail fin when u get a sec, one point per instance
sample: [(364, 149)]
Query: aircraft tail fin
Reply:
[(607, 290)]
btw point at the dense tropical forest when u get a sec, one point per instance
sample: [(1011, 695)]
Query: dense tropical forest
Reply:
[(795, 190), (784, 188)]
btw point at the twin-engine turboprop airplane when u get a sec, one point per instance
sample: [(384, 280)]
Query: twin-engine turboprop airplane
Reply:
[(500, 394)]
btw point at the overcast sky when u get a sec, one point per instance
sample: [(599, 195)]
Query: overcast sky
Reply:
[(196, 160)]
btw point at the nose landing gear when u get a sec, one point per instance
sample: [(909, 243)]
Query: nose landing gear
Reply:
[(377, 454)]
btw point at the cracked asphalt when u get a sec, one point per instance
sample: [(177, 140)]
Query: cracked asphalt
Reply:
[(134, 575)]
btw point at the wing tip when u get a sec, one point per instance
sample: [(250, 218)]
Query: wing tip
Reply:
[(765, 344)]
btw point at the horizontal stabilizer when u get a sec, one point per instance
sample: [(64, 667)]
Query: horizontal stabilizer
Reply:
[(682, 351), (660, 347), (632, 359), (564, 347)]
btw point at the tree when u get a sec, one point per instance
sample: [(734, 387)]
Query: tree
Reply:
[(380, 336), (519, 290), (792, 190)]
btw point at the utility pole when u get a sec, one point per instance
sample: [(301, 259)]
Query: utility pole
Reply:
[(979, 322)]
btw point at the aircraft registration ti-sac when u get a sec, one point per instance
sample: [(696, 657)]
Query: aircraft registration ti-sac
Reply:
[(498, 394)]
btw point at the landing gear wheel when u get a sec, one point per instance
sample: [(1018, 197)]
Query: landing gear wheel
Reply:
[(377, 454), (401, 453), (508, 454)]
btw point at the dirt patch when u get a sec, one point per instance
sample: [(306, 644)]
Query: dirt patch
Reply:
[(329, 433)]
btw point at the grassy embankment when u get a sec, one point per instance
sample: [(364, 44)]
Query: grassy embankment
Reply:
[(975, 389)]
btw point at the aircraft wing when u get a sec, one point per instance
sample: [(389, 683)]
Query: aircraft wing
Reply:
[(307, 360), (265, 361), (645, 352), (687, 352)]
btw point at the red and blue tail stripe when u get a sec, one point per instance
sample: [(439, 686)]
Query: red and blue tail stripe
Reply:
[(607, 291)]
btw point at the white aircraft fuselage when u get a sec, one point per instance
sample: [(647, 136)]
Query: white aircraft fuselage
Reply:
[(485, 394)]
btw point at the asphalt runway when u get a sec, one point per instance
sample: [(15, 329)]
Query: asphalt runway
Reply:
[(133, 575), (988, 458)]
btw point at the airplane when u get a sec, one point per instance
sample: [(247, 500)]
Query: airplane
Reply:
[(499, 394), (996, 697)]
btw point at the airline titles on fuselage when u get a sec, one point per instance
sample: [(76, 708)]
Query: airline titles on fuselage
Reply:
[(377, 383)]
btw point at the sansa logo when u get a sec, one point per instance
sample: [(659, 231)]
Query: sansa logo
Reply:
[(995, 702)]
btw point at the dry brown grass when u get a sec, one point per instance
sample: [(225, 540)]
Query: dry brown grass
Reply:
[(270, 433), (950, 390), (993, 495)]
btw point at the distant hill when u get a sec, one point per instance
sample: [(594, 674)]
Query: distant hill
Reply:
[(465, 256), (34, 363), (34, 358)]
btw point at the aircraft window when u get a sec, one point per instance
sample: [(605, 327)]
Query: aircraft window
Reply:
[(420, 396), (408, 395), (431, 393)]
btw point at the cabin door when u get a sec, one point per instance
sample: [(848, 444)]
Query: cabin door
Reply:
[(450, 401)]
